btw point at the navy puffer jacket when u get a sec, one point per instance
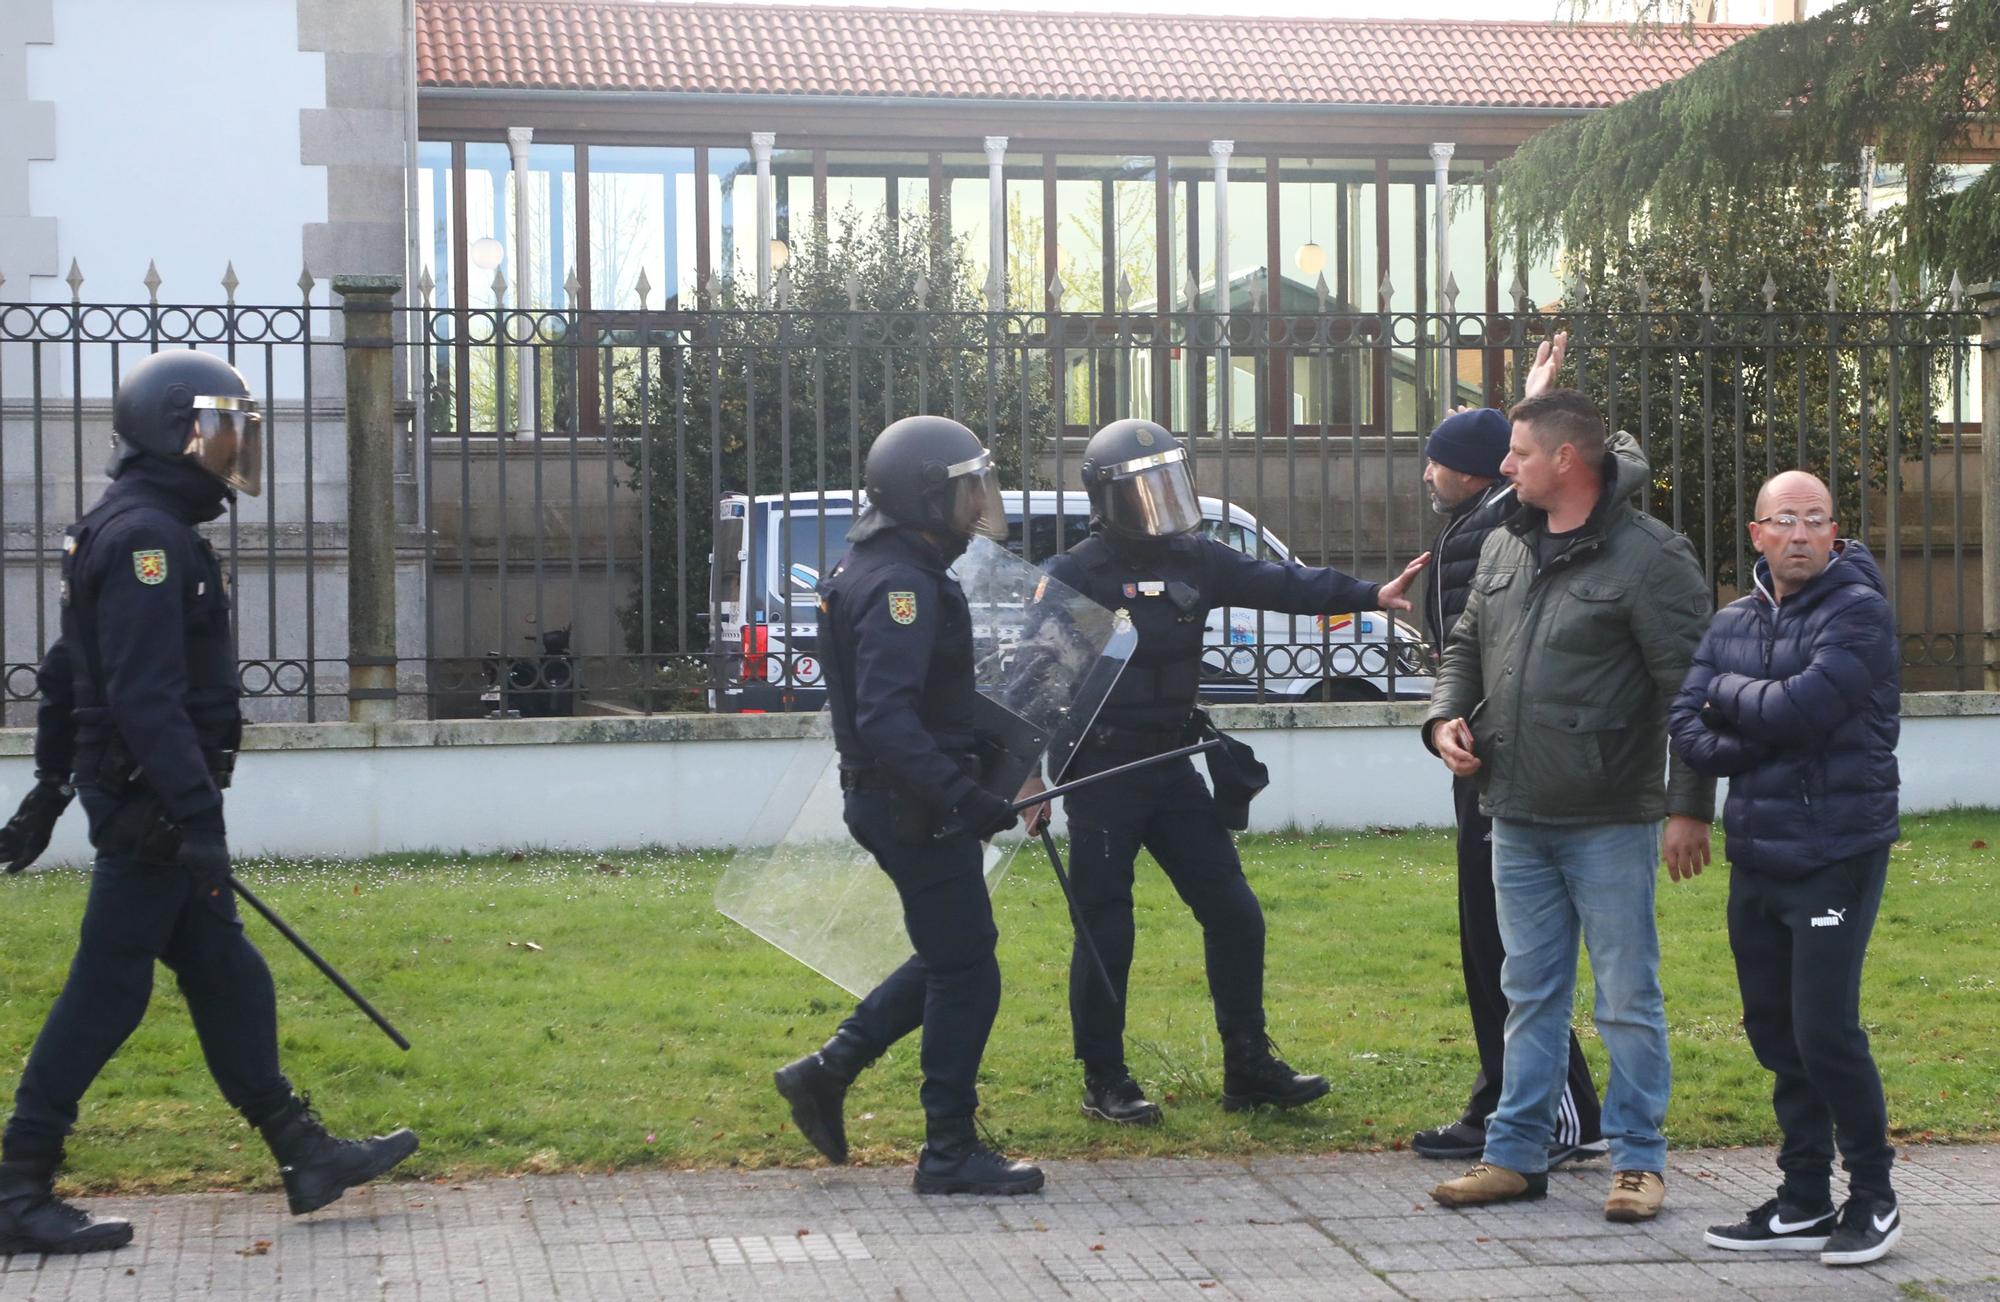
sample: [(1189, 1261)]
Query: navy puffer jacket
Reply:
[(1804, 701)]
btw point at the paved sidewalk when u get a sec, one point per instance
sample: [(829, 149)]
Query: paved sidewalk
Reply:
[(1346, 1226)]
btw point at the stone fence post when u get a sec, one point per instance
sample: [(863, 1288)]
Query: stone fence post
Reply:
[(371, 495)]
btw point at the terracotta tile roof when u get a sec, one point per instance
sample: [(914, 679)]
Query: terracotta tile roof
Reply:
[(772, 49)]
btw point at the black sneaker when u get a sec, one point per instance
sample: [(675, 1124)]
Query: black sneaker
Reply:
[(1453, 1143), (1867, 1229), (1776, 1226), (1561, 1154), (1118, 1098)]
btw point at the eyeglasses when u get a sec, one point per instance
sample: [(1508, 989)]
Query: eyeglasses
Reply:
[(1786, 520)]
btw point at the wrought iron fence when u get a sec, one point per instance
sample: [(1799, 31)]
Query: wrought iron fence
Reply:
[(282, 549), (562, 563), (571, 552)]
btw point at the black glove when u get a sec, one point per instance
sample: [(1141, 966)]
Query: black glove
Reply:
[(27, 832), (1711, 715), (984, 814)]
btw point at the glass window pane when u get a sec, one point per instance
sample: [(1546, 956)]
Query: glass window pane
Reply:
[(732, 216), (641, 219)]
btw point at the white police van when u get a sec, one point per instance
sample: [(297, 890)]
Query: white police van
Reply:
[(770, 552)]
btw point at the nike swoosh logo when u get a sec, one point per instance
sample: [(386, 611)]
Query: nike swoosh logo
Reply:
[(1882, 1223), (1782, 1226)]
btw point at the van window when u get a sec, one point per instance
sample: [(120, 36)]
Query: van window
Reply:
[(805, 532), (1235, 535), (1041, 535)]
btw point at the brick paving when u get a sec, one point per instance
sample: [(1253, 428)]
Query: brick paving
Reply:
[(1342, 1226)]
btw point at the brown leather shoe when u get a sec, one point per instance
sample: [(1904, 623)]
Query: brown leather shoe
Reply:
[(1486, 1183), (1635, 1196)]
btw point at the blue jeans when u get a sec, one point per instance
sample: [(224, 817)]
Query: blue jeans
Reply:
[(1551, 882)]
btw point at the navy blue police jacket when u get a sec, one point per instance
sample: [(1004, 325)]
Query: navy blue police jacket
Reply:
[(1169, 586), (1805, 696), (896, 640), (146, 641)]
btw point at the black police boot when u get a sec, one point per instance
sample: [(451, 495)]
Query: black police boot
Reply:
[(1253, 1075), (33, 1219), (319, 1167), (955, 1160), (816, 1087), (1114, 1096)]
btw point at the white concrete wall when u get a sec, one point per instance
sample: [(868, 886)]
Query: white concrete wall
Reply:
[(341, 789), (177, 139)]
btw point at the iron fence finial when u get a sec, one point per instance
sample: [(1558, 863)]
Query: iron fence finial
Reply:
[(1193, 288), (1895, 293), (152, 282), (921, 287), (1321, 288), (1124, 291), (1770, 291), (499, 286), (1706, 289), (1385, 289), (643, 287), (229, 282), (1832, 291), (571, 286), (1520, 291), (1450, 292), (306, 282), (1957, 292), (853, 287), (1056, 289), (1645, 291), (426, 286), (75, 281), (1257, 295)]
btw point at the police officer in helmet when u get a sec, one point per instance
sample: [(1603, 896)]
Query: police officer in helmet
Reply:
[(139, 720), (1145, 555), (896, 640)]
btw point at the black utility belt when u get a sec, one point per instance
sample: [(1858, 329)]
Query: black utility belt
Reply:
[(117, 771), (1138, 743)]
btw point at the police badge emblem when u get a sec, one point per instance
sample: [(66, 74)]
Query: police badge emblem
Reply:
[(150, 566), (903, 607)]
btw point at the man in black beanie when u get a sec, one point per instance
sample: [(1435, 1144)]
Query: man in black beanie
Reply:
[(1462, 472)]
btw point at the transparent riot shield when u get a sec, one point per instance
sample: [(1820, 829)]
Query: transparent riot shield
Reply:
[(1046, 658)]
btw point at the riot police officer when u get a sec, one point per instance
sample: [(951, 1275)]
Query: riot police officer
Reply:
[(139, 719), (1144, 555), (896, 640)]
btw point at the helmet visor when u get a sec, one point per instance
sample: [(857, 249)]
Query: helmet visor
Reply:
[(1152, 496), (975, 506), (228, 441)]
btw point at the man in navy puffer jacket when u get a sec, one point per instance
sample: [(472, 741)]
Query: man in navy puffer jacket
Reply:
[(1794, 696)]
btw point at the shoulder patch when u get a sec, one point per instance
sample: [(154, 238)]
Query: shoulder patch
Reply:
[(150, 565), (903, 607)]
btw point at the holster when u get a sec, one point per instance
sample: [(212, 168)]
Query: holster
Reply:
[(141, 830), (1236, 774)]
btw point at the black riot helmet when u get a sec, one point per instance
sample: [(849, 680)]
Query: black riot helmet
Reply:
[(1139, 483), (182, 405), (931, 473)]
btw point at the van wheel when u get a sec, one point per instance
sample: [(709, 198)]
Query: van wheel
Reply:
[(1344, 689)]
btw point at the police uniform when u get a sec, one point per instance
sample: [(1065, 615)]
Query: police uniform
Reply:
[(1169, 585), (140, 713), (896, 641)]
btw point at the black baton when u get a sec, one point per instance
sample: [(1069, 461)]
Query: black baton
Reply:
[(1150, 760), (1076, 915), (299, 943)]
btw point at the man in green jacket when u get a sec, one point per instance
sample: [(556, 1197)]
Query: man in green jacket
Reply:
[(1583, 618)]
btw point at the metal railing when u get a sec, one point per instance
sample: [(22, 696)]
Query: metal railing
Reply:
[(561, 563)]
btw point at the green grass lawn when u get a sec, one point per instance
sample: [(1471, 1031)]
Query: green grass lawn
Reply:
[(644, 1028)]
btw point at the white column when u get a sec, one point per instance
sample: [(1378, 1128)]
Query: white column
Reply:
[(1867, 182), (1218, 153), (1441, 181), (767, 212), (518, 139), (996, 221)]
